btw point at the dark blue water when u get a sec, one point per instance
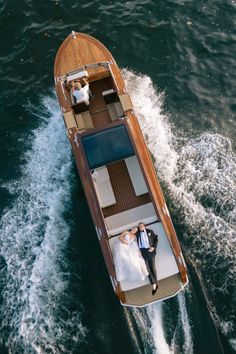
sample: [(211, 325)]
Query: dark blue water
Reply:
[(178, 61)]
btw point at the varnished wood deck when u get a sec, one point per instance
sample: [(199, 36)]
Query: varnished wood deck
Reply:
[(123, 190), (78, 50)]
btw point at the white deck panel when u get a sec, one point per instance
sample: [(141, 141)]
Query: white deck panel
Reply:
[(165, 261), (103, 187), (136, 175)]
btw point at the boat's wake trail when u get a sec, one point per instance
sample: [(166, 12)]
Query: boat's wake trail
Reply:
[(200, 175), (160, 331), (36, 314)]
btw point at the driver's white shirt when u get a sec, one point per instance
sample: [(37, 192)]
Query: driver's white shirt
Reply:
[(82, 94)]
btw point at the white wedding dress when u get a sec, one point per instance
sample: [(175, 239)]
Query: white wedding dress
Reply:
[(129, 263)]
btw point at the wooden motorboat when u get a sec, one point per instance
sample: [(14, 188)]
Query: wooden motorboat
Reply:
[(114, 165)]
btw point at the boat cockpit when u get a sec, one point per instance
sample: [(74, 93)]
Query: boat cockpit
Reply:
[(99, 101)]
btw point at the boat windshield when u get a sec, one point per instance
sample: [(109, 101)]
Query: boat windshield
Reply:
[(106, 146)]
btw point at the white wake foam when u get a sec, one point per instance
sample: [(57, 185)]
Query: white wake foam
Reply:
[(201, 179), (153, 322), (35, 314), (184, 325), (150, 328), (154, 313)]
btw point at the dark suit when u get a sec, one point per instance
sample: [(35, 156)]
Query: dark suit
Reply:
[(149, 257)]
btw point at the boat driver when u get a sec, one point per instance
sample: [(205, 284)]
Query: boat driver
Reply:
[(81, 94)]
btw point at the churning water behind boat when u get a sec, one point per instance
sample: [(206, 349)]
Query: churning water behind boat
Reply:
[(35, 311)]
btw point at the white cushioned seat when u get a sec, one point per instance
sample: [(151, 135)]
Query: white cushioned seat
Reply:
[(125, 220), (136, 175), (108, 92), (77, 76), (103, 187)]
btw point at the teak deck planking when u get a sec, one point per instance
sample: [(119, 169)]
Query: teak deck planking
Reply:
[(123, 190)]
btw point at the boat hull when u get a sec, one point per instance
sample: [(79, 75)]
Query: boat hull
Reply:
[(81, 50)]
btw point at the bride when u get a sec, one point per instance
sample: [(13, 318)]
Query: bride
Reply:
[(129, 263)]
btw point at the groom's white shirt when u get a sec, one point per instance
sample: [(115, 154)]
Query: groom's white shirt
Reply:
[(143, 240)]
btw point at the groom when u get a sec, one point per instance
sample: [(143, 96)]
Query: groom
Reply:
[(147, 242)]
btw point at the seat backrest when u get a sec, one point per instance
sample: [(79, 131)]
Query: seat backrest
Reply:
[(76, 76), (110, 96), (125, 220)]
